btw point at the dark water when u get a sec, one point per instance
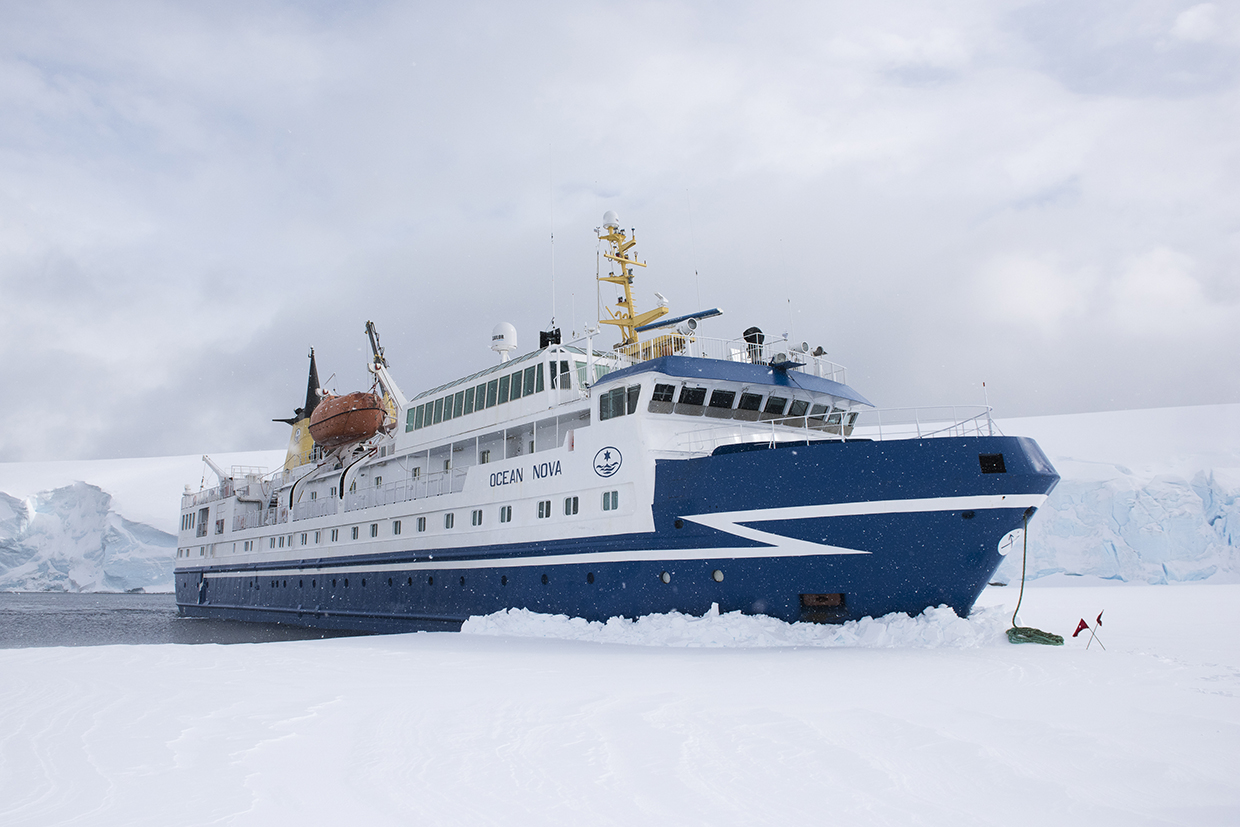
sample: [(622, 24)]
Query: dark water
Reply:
[(54, 619)]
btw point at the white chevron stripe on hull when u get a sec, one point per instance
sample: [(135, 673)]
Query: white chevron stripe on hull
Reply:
[(729, 522)]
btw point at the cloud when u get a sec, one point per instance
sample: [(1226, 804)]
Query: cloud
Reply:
[(1197, 24), (191, 197), (1156, 295)]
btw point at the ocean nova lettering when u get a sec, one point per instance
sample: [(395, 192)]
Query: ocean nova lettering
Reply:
[(546, 469), (505, 477), (541, 471)]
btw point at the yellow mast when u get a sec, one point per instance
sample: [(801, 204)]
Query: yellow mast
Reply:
[(625, 317)]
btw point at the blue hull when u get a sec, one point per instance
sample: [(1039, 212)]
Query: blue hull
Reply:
[(829, 531)]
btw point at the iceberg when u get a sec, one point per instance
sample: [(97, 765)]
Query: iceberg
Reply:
[(71, 539)]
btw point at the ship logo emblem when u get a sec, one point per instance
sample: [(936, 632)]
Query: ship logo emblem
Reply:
[(607, 461)]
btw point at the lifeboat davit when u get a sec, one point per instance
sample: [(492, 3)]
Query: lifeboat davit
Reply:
[(340, 420)]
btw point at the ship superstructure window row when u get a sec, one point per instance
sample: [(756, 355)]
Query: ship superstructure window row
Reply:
[(689, 399), (510, 387)]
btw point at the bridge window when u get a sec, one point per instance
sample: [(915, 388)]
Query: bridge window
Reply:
[(722, 399), (750, 402), (469, 400), (618, 402), (505, 383), (492, 393), (560, 378), (775, 406), (799, 406), (663, 393), (692, 396)]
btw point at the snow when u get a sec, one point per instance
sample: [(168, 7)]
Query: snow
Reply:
[(933, 628), (502, 728), (667, 719)]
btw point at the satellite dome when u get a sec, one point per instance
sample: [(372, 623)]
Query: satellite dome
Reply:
[(504, 340), (610, 220)]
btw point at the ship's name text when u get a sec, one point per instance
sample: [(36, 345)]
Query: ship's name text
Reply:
[(541, 471)]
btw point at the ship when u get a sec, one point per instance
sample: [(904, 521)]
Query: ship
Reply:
[(669, 471)]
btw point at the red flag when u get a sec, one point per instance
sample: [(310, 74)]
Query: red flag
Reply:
[(1080, 627), (1100, 617)]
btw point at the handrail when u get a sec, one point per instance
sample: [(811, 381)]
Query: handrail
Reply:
[(873, 424)]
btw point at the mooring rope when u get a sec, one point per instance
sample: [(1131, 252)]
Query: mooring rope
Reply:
[(1027, 634)]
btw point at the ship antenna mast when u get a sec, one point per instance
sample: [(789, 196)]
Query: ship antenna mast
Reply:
[(625, 316)]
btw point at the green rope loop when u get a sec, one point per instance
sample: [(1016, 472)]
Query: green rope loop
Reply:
[(1028, 634)]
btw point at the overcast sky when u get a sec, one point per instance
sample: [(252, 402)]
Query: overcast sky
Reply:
[(1044, 196)]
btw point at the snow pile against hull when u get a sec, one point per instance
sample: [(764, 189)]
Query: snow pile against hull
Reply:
[(932, 629), (70, 539)]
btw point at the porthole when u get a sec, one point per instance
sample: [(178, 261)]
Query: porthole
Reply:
[(314, 584), (430, 581), (333, 582), (462, 581), (589, 577), (679, 523), (717, 576), (503, 581), (544, 580), (665, 577), (966, 515), (346, 582), (363, 582), (410, 581), (300, 585), (389, 581)]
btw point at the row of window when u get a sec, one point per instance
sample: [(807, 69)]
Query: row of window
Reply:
[(506, 388), (744, 405), (611, 502), (664, 577)]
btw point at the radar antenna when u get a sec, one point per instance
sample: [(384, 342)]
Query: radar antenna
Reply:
[(625, 316)]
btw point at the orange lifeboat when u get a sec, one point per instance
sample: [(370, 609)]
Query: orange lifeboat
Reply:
[(340, 420)]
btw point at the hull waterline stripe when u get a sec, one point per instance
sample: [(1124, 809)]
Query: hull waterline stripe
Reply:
[(728, 522)]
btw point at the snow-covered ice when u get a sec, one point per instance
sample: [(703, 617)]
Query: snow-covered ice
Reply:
[(465, 729), (670, 719)]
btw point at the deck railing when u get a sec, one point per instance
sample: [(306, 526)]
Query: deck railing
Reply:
[(433, 485), (732, 350), (870, 424)]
